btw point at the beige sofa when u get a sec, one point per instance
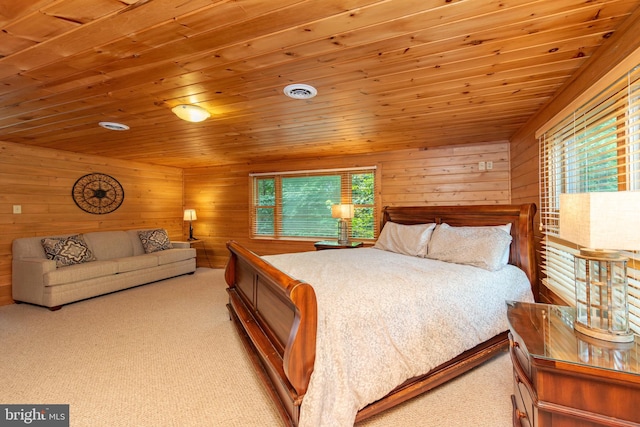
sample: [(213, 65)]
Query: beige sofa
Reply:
[(116, 260)]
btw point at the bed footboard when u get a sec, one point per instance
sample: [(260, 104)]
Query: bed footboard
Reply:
[(276, 316)]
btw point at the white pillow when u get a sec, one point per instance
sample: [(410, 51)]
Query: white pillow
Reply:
[(507, 227), (405, 239), (483, 247), (505, 256)]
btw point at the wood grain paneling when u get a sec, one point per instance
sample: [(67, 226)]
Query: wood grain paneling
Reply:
[(414, 87), (390, 75), (437, 176), (40, 181), (622, 48)]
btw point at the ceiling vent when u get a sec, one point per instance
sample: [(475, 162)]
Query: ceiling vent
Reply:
[(300, 91), (113, 126)]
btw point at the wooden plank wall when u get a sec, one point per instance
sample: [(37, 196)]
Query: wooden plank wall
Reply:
[(40, 180), (622, 50), (442, 176)]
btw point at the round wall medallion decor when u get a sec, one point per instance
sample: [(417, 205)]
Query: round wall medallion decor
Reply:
[(97, 193)]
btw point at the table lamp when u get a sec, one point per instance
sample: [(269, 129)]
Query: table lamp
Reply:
[(190, 215), (344, 213), (602, 224)]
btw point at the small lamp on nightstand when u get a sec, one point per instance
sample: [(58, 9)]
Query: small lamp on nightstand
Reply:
[(344, 213), (599, 222), (190, 215)]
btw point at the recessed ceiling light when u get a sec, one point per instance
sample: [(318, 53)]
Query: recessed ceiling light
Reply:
[(300, 91), (113, 126)]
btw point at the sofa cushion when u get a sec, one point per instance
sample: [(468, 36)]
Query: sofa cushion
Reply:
[(136, 262), (68, 250), (109, 244), (138, 249), (78, 272), (175, 255), (154, 240), (29, 247)]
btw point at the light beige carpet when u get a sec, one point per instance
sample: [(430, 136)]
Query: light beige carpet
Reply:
[(166, 354)]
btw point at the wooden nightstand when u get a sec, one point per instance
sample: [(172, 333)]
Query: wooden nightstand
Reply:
[(333, 244), (565, 379)]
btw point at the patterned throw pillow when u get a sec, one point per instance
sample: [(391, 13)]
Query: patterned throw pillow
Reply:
[(67, 250), (154, 240)]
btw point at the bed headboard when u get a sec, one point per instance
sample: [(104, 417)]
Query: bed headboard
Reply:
[(520, 216)]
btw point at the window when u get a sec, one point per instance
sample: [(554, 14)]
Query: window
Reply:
[(298, 204), (597, 148)]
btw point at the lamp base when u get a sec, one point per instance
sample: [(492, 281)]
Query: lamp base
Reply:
[(602, 308), (343, 232), (603, 335)]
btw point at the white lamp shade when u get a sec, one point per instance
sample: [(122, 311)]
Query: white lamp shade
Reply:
[(190, 215), (342, 211), (191, 113), (601, 220)]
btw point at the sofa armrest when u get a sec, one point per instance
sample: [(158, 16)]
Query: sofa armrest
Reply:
[(181, 245), (27, 278)]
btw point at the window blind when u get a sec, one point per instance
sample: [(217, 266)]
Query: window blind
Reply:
[(297, 204), (596, 148)]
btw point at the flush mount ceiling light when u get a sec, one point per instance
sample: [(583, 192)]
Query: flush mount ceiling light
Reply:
[(113, 126), (191, 113), (300, 91)]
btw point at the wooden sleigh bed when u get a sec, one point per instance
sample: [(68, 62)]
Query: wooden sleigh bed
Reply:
[(276, 314)]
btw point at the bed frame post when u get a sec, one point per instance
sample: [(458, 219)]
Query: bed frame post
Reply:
[(527, 252)]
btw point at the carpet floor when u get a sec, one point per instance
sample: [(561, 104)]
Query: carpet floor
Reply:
[(166, 354)]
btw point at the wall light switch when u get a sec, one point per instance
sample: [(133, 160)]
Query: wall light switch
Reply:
[(482, 166), (17, 209)]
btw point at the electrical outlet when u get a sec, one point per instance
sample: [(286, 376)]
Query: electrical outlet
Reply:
[(489, 165), (17, 209), (482, 166)]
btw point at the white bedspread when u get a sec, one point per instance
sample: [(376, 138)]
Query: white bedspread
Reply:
[(385, 317)]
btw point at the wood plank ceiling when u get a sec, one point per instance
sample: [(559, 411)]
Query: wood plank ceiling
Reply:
[(390, 74)]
